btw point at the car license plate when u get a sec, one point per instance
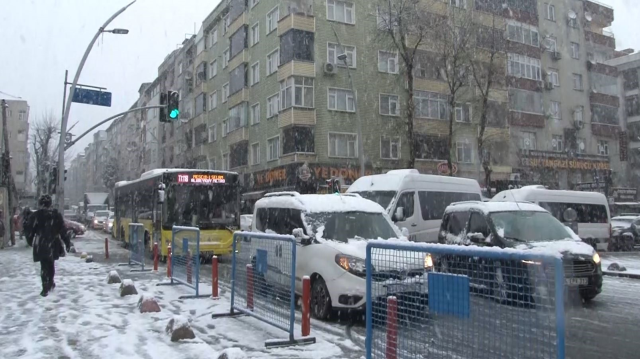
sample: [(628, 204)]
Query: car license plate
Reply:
[(404, 287), (577, 281)]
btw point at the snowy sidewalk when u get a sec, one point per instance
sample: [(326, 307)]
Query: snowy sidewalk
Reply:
[(86, 318), (629, 260)]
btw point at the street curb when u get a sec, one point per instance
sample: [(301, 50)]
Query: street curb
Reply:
[(621, 274)]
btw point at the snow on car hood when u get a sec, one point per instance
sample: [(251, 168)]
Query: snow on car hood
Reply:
[(563, 247)]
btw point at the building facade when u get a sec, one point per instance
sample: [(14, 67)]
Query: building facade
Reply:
[(18, 133)]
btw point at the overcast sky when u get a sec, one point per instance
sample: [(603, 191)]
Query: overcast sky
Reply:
[(43, 38)]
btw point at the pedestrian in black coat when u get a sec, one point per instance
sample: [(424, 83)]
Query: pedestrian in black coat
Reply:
[(47, 234)]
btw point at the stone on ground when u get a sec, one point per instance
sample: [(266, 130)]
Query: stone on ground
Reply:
[(616, 267), (72, 249), (113, 277), (89, 259), (84, 255), (127, 288), (179, 329), (148, 304), (232, 353)]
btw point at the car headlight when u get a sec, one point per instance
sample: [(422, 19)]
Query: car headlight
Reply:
[(83, 228), (596, 258), (110, 224), (353, 265), (428, 261)]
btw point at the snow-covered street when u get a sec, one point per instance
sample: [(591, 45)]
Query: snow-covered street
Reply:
[(86, 318)]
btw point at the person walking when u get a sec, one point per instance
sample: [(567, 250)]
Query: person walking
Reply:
[(47, 233), (25, 223)]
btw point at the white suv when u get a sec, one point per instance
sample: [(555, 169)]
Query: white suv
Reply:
[(331, 232)]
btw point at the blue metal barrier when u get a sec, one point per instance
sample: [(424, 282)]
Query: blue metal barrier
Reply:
[(440, 301), (136, 248), (185, 259), (263, 281)]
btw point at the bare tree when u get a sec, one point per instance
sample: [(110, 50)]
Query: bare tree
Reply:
[(44, 139), (405, 25)]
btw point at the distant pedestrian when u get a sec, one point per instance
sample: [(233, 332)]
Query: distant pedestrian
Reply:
[(16, 225), (47, 234), (2, 244), (26, 212)]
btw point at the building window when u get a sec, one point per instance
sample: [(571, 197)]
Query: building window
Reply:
[(551, 12), (463, 113), (212, 163), (253, 3), (226, 22), (273, 60), (557, 143), (552, 44), (575, 50), (272, 19), (523, 33), (214, 37), (431, 147), (255, 73), (22, 115), (388, 62), (212, 135), (343, 145), (213, 100), (577, 82), (632, 104), (225, 92), (225, 162), (180, 68), (430, 105), (298, 139), (341, 100), (255, 34), (255, 113), (523, 66), (255, 153), (238, 117), (273, 148), (390, 148), (578, 115), (225, 58), (213, 68), (334, 50), (528, 141), (389, 105), (462, 4), (225, 128), (464, 152), (341, 11), (273, 104), (297, 45), (603, 148), (296, 91), (554, 77), (555, 110), (525, 101), (581, 145)]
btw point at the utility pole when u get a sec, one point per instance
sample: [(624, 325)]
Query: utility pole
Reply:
[(7, 178)]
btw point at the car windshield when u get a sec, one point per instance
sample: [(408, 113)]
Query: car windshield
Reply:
[(342, 226), (382, 198), (102, 213), (529, 226)]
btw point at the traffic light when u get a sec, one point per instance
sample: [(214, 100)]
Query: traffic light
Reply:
[(163, 110), (65, 174), (173, 100)]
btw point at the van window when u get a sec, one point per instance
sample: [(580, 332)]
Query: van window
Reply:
[(406, 201), (433, 204), (382, 198), (477, 224), (587, 213), (457, 222), (279, 220)]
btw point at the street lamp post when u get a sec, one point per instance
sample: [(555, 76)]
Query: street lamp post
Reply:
[(65, 117)]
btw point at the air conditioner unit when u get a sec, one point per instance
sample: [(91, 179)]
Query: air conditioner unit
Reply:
[(579, 123), (557, 55), (548, 85), (329, 68)]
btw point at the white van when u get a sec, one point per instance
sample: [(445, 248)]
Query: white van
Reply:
[(416, 201), (591, 208)]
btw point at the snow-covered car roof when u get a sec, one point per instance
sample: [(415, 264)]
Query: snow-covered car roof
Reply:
[(492, 207), (540, 193), (392, 181), (316, 203)]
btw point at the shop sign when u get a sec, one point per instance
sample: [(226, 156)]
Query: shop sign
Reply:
[(574, 164), (624, 194), (288, 175), (443, 168)]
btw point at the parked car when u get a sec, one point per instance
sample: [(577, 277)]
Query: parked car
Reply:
[(74, 229), (70, 214), (245, 222), (591, 209), (107, 225), (416, 201), (627, 225), (519, 225), (332, 233), (99, 218)]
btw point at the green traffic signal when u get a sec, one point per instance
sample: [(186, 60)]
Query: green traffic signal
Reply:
[(174, 113)]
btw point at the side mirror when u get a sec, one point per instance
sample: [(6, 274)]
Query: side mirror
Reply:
[(161, 188), (298, 234), (476, 237), (399, 215), (405, 232)]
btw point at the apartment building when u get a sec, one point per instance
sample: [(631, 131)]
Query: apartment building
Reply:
[(18, 133)]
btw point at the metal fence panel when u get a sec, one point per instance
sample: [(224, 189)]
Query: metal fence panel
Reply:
[(185, 256), (472, 303), (136, 244)]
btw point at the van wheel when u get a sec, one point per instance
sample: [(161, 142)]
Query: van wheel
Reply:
[(320, 299)]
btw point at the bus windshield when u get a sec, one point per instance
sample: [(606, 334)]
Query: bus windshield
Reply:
[(206, 207)]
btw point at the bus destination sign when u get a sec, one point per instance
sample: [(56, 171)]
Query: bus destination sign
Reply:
[(201, 178)]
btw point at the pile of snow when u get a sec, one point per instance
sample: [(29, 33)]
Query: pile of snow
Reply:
[(179, 329), (113, 277), (232, 353), (559, 247), (319, 203), (148, 304), (84, 255), (127, 288)]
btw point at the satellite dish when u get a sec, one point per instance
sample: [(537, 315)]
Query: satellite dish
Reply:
[(572, 15), (587, 16), (582, 146)]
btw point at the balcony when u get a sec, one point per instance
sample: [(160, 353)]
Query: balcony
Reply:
[(600, 14), (238, 97), (524, 119), (602, 69), (603, 99), (297, 116), (610, 131), (296, 21), (238, 23), (237, 135), (240, 58), (296, 68), (600, 39)]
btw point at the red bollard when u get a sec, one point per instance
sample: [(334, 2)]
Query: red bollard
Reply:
[(306, 306), (169, 261), (214, 277), (392, 328), (106, 248), (155, 257), (249, 286), (189, 267)]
